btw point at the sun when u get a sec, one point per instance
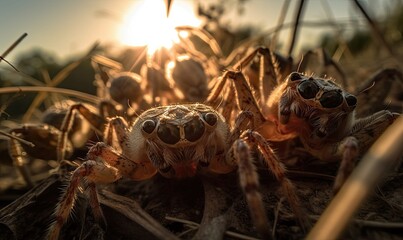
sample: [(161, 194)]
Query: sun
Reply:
[(146, 23)]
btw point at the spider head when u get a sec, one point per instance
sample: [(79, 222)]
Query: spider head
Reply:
[(321, 93), (313, 108), (179, 125), (179, 138)]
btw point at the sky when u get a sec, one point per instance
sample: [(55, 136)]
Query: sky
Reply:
[(66, 28)]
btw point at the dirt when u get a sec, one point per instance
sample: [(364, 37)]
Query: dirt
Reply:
[(207, 206)]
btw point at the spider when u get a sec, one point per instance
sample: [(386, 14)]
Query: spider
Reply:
[(45, 135), (177, 141), (125, 88), (319, 112), (160, 80)]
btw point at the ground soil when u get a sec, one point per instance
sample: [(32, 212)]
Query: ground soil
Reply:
[(203, 207)]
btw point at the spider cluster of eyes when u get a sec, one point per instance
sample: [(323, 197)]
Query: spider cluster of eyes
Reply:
[(308, 89), (192, 130)]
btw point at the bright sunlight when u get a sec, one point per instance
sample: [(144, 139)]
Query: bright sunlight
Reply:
[(146, 23)]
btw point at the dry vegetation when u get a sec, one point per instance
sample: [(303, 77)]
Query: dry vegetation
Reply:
[(203, 207)]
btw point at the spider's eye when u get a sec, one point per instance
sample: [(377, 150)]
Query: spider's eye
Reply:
[(295, 76), (331, 99), (148, 126), (351, 100), (308, 89), (210, 118), (168, 133), (194, 129)]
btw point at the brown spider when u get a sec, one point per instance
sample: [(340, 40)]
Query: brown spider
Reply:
[(115, 84), (45, 135), (319, 112), (177, 141), (178, 75)]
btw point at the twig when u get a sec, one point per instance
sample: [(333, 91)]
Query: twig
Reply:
[(81, 95), (60, 76), (376, 162), (7, 103), (375, 29), (280, 23), (17, 138), (26, 78), (361, 222), (371, 224), (184, 221), (293, 173), (168, 4), (132, 210), (296, 24), (196, 225), (276, 216), (2, 56), (5, 53), (205, 36), (343, 47)]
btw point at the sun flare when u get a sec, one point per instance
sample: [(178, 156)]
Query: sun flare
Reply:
[(146, 23)]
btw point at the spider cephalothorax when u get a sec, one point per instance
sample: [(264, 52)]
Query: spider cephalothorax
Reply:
[(313, 108), (179, 138)]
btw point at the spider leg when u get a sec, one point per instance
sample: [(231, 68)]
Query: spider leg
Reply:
[(240, 155), (320, 63), (349, 152), (43, 136), (228, 105), (264, 77), (245, 97), (103, 165), (364, 133), (247, 102), (161, 90), (243, 121), (115, 132), (98, 168), (95, 120), (253, 138), (104, 68), (249, 181), (94, 203), (372, 93), (222, 97), (20, 160), (108, 109), (215, 95), (116, 136), (368, 129)]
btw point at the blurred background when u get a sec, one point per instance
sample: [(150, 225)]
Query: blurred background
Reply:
[(59, 33)]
